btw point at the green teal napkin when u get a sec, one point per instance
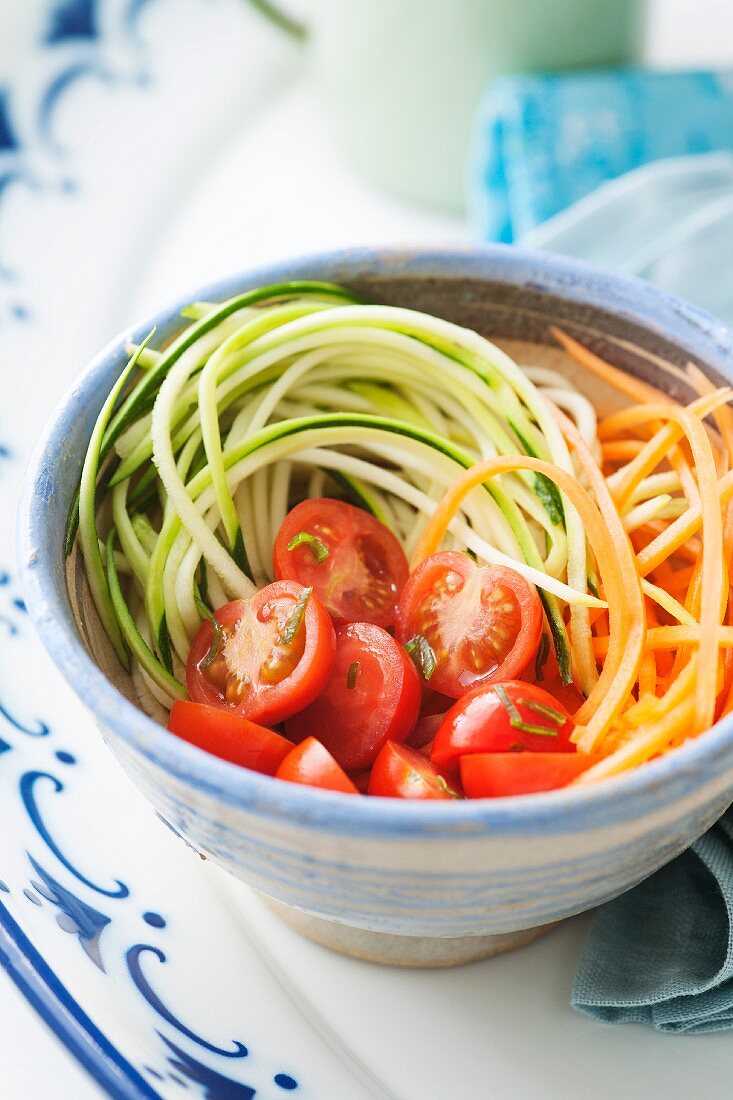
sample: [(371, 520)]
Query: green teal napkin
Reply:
[(662, 954)]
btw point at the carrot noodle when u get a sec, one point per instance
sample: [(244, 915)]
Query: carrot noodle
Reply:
[(678, 532), (621, 450), (669, 637), (625, 383), (624, 481), (647, 742), (723, 417)]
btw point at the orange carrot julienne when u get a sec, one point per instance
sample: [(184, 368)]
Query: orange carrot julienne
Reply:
[(645, 744), (621, 450), (624, 483), (680, 530), (686, 421), (669, 637), (627, 384)]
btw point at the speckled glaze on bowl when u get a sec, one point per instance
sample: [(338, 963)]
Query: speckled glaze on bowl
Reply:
[(399, 882)]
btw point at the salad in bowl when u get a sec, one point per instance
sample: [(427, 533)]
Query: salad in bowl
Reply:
[(352, 549)]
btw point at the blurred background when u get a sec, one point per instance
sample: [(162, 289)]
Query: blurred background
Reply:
[(189, 138)]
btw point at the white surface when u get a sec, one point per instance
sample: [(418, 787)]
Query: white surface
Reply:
[(33, 1064), (280, 190)]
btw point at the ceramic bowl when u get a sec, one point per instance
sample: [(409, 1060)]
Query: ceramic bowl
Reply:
[(393, 881)]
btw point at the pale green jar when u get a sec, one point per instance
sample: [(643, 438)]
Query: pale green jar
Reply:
[(399, 80)]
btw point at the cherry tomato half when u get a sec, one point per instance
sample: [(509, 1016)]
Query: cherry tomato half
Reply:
[(274, 657), (503, 718), (482, 624), (354, 563), (373, 694), (312, 764), (229, 736), (401, 772), (495, 774)]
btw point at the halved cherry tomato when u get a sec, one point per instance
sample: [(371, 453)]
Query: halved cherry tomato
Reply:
[(401, 772), (482, 624), (274, 657), (495, 774), (312, 764), (354, 563), (373, 694), (229, 736), (503, 718)]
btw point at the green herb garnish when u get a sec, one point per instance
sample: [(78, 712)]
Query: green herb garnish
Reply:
[(552, 714), (422, 654), (318, 549), (295, 618), (445, 788), (515, 718), (352, 674)]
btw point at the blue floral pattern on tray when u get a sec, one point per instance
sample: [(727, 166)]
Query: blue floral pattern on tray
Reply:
[(85, 911)]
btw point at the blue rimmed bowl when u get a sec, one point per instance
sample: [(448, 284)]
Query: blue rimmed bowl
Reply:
[(398, 882)]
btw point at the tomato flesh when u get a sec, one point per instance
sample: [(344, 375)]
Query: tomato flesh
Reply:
[(482, 624), (355, 566), (274, 657), (312, 764), (501, 718), (497, 774), (229, 736), (373, 695), (401, 772)]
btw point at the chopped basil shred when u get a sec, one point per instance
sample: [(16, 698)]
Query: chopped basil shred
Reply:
[(317, 547), (446, 788), (295, 618), (422, 654), (515, 719), (352, 674), (552, 714)]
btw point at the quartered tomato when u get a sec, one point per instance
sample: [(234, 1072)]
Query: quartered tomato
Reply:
[(373, 694), (509, 717), (401, 772), (495, 774), (354, 563), (229, 736), (274, 654), (312, 764), (470, 625)]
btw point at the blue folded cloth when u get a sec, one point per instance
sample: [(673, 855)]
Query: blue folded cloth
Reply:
[(541, 143), (662, 954)]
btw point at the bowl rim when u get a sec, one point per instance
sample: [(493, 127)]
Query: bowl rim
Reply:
[(612, 801)]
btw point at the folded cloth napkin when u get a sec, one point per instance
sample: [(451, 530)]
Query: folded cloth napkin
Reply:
[(541, 143), (662, 954)]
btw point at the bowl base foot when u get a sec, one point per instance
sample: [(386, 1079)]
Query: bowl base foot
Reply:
[(427, 952)]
